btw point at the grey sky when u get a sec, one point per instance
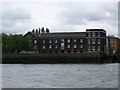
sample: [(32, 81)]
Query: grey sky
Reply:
[(21, 17)]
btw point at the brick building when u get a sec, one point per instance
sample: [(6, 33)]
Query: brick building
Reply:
[(114, 44), (93, 40)]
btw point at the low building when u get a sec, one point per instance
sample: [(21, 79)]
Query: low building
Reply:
[(114, 44), (93, 40)]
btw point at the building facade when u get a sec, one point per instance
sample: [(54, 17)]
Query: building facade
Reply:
[(114, 44), (96, 40), (93, 40)]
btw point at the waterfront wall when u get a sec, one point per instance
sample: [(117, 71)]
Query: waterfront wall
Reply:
[(55, 58)]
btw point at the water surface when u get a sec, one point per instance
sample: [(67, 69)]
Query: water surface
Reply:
[(60, 75)]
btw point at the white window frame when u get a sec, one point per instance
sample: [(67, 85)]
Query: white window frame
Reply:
[(93, 41), (56, 46), (93, 47), (68, 46), (81, 40), (68, 40), (50, 41), (75, 46), (75, 40), (89, 48), (98, 47), (89, 34), (93, 34), (43, 47), (56, 41), (35, 41), (50, 46), (88, 41), (43, 41), (62, 44), (98, 34), (98, 41), (81, 46)]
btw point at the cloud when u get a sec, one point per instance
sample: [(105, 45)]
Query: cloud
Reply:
[(14, 19), (60, 16), (80, 13), (15, 15)]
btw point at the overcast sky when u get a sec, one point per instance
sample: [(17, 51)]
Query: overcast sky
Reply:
[(59, 16)]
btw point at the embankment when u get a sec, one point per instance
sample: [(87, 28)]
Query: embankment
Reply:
[(55, 58)]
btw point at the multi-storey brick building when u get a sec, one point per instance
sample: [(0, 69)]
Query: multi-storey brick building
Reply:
[(114, 44), (96, 40), (93, 40)]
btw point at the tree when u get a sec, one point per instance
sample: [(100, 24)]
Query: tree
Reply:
[(5, 43), (47, 30), (24, 44), (0, 43), (33, 31), (39, 30), (15, 43), (42, 30)]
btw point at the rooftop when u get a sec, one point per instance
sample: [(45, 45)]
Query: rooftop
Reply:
[(95, 30)]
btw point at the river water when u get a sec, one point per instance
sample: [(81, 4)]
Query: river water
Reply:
[(60, 75)]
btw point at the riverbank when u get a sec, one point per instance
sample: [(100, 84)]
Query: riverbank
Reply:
[(55, 58)]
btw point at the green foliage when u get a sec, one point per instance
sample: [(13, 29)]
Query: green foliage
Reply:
[(39, 30), (14, 43), (0, 43), (42, 30), (33, 31), (47, 30), (36, 30)]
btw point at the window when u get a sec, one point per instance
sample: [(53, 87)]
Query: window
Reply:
[(56, 41), (93, 41), (81, 40), (98, 41), (93, 48), (98, 48), (89, 34), (43, 46), (62, 40), (88, 41), (68, 46), (98, 34), (56, 46), (62, 43), (50, 46), (89, 48), (35, 41), (68, 40), (113, 48), (75, 46), (43, 41), (35, 47), (75, 40), (93, 34), (50, 41), (81, 46)]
